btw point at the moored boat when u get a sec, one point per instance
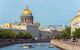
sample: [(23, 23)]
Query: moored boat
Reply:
[(51, 45), (27, 46)]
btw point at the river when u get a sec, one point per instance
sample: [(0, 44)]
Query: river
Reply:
[(36, 46)]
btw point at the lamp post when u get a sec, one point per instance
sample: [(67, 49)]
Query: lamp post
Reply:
[(51, 33)]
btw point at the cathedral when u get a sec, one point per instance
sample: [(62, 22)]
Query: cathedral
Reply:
[(26, 23)]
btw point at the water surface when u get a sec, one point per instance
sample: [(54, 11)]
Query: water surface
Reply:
[(36, 46)]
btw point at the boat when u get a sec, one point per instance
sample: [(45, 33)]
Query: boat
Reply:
[(51, 45), (27, 46)]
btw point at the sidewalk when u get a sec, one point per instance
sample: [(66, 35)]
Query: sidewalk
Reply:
[(65, 45)]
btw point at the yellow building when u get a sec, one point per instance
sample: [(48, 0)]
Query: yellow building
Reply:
[(75, 23)]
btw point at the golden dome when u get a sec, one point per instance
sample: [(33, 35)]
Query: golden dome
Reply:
[(27, 11)]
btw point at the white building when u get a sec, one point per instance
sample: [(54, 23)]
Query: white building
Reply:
[(50, 31), (56, 27)]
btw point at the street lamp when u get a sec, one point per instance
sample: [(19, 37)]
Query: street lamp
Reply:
[(51, 33)]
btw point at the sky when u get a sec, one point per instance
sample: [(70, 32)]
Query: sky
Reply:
[(47, 12)]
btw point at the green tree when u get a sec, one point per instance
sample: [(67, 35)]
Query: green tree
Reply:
[(65, 34), (3, 34), (76, 34), (20, 35), (7, 34), (23, 35), (28, 35), (11, 34)]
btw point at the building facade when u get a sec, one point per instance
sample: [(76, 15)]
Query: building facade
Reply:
[(75, 22), (50, 31)]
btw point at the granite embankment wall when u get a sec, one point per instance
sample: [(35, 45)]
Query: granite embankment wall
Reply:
[(65, 45), (5, 42)]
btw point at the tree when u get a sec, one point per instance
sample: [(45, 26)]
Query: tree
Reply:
[(20, 35), (65, 34), (7, 34), (76, 34), (24, 35), (28, 35), (11, 34)]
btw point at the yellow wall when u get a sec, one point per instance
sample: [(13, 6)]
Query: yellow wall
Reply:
[(74, 22), (7, 25)]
